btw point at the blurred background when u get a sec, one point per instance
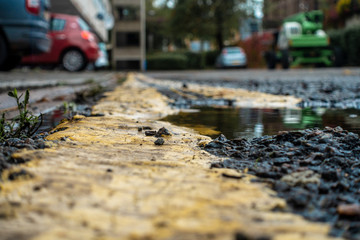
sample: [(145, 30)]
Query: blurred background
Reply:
[(186, 34)]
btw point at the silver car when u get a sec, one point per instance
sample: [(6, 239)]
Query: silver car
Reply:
[(231, 57)]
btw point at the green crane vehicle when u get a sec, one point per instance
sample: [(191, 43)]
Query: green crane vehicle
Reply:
[(301, 40)]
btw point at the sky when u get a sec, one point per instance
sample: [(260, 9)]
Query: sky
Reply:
[(159, 2)]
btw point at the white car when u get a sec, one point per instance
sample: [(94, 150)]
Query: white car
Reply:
[(231, 57)]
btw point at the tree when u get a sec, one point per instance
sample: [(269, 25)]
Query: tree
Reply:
[(157, 25), (348, 8), (206, 19), (191, 19), (226, 16)]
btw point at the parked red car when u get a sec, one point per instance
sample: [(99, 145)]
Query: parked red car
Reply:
[(73, 45)]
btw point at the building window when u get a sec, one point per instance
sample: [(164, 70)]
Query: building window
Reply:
[(128, 13), (128, 65), (127, 39)]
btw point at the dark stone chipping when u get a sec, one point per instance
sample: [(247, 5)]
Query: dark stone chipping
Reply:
[(150, 133), (162, 132), (316, 171), (12, 145), (22, 173), (160, 141)]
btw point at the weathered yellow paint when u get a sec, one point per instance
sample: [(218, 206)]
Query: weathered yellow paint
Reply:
[(103, 179), (239, 97)]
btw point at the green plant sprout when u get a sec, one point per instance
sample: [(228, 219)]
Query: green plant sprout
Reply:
[(25, 124), (70, 109)]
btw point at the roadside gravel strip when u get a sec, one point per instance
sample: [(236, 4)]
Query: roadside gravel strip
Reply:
[(204, 94), (105, 178), (327, 87)]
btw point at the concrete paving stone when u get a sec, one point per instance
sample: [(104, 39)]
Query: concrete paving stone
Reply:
[(39, 79), (47, 88), (102, 178), (40, 95)]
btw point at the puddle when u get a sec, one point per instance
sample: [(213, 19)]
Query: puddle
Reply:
[(52, 118), (249, 123)]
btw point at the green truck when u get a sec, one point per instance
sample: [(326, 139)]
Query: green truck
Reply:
[(301, 40)]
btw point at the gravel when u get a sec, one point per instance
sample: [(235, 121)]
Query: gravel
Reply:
[(12, 145), (316, 171)]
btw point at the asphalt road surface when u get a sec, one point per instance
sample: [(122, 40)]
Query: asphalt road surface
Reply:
[(324, 87), (325, 84), (260, 74), (48, 89)]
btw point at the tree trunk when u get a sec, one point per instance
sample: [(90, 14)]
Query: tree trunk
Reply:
[(219, 30), (316, 4), (219, 40)]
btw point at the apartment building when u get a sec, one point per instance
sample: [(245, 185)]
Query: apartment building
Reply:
[(97, 13), (128, 35), (276, 10)]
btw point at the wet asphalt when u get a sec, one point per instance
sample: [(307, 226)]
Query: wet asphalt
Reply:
[(328, 190), (324, 87), (315, 170)]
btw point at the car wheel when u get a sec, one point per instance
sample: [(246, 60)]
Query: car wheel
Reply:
[(270, 58), (285, 59), (338, 57), (11, 62), (73, 61)]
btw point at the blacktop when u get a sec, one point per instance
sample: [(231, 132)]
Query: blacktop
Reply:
[(313, 74), (49, 90), (104, 178)]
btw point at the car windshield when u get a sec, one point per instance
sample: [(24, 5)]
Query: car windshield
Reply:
[(57, 24), (83, 25)]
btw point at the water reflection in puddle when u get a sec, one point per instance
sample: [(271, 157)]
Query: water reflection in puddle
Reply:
[(249, 123), (52, 118)]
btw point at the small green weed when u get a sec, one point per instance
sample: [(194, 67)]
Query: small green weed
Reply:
[(70, 109), (23, 125)]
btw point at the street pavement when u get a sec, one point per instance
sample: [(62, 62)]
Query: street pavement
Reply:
[(24, 79), (314, 74), (41, 78), (51, 88), (49, 85), (48, 89), (103, 178), (321, 87)]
